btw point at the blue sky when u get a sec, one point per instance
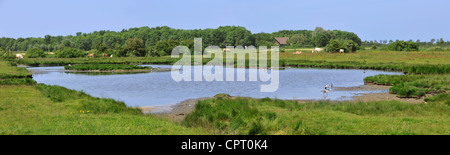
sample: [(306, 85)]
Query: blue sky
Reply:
[(370, 19)]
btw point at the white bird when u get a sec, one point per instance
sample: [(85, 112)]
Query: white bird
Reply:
[(327, 86)]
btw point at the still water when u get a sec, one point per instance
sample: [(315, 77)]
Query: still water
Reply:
[(158, 88)]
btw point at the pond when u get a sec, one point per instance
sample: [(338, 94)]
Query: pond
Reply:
[(159, 89)]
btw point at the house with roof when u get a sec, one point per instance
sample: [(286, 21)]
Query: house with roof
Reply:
[(282, 41)]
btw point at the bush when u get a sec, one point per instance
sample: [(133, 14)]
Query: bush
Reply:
[(403, 46), (68, 52), (6, 55), (374, 47), (333, 46), (35, 53), (350, 46)]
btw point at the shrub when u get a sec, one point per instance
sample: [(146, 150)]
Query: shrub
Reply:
[(350, 46), (403, 46), (68, 52), (333, 46), (374, 47), (35, 53)]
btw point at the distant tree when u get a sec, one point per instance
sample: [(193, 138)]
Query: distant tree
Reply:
[(48, 39), (134, 47), (298, 39), (163, 48), (350, 46), (35, 53), (320, 37), (403, 46), (101, 47), (68, 52), (333, 46), (432, 41), (441, 41), (66, 43), (390, 41), (374, 47)]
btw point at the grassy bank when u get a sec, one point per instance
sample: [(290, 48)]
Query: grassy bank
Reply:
[(267, 116), (41, 109), (9, 70), (12, 75), (114, 60), (104, 67), (413, 85)]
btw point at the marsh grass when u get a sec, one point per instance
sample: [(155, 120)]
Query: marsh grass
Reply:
[(104, 67), (413, 85), (9, 70), (30, 108), (42, 109), (272, 116)]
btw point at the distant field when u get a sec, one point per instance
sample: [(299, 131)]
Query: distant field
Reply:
[(373, 57), (365, 56)]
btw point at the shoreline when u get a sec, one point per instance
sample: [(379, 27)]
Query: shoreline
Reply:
[(120, 70), (179, 111)]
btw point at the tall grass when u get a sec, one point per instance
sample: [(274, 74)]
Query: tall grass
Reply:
[(413, 85), (9, 70), (54, 110), (273, 116)]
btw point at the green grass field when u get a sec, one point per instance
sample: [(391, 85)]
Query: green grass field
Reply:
[(41, 109)]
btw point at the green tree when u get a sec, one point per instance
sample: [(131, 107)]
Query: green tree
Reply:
[(66, 43), (403, 46), (101, 47), (333, 46), (68, 52), (35, 53), (320, 37), (165, 47), (134, 47), (441, 41), (298, 39), (350, 46), (48, 39)]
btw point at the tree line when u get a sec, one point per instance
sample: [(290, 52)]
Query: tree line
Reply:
[(159, 41)]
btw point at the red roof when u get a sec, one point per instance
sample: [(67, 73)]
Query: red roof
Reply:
[(282, 40)]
